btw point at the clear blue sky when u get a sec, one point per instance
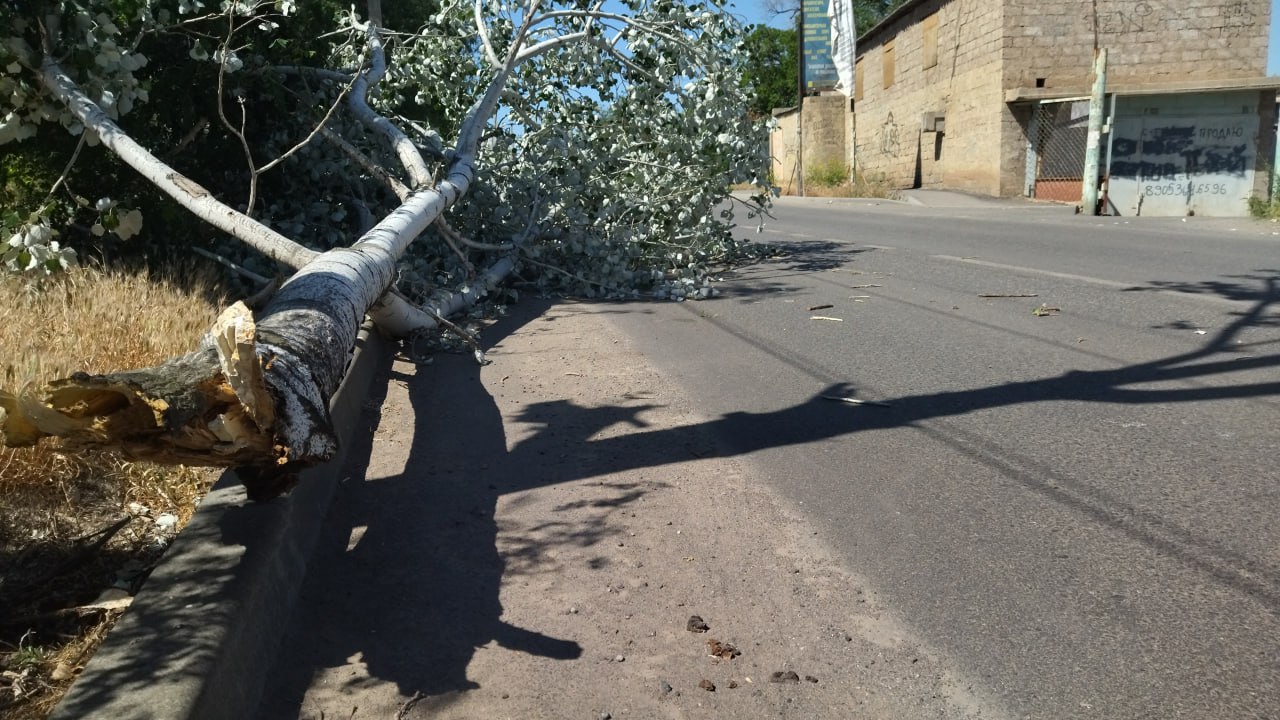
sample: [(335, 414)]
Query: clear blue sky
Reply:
[(1273, 53), (753, 11)]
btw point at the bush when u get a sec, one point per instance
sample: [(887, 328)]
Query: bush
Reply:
[(830, 172), (1264, 209)]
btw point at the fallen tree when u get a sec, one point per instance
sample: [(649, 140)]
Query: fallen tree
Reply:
[(611, 141)]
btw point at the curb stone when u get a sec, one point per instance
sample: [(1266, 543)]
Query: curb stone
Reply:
[(199, 638)]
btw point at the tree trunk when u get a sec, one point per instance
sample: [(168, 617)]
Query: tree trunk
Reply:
[(255, 394)]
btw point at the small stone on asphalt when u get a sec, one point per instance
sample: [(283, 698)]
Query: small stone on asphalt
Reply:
[(619, 658), (707, 685), (665, 687), (784, 676), (697, 624), (721, 649)]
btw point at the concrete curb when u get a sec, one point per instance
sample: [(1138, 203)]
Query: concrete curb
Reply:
[(201, 635)]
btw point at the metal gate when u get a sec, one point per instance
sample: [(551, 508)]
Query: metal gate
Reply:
[(1055, 159)]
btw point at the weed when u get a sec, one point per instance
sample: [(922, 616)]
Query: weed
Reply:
[(53, 496), (860, 186), (1264, 209), (826, 173)]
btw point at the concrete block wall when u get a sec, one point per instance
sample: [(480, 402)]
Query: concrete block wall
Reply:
[(1147, 41), (1264, 179), (784, 150), (825, 119), (986, 47), (964, 86), (824, 130)]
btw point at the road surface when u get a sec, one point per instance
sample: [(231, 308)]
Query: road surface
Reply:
[(1068, 514), (1079, 507)]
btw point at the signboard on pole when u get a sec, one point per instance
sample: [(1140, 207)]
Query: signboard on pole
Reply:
[(815, 41)]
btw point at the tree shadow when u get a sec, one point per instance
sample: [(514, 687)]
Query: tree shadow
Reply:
[(794, 259), (408, 579), (1260, 287), (1200, 374), (408, 576)]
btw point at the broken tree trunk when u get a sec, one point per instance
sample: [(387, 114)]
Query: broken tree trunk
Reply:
[(255, 394)]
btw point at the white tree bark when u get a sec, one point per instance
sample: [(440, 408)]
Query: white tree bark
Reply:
[(188, 193), (255, 394)]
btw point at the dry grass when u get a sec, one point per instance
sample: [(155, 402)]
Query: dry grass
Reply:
[(53, 499), (860, 187), (833, 181)]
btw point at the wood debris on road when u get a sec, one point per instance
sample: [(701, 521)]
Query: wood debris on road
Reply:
[(854, 401)]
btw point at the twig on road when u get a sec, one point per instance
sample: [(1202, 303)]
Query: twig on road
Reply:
[(408, 705), (854, 401)]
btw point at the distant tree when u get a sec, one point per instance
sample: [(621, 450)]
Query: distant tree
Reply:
[(770, 72), (866, 13)]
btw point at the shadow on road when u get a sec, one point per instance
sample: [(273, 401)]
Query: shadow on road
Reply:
[(407, 580), (794, 259), (407, 583)]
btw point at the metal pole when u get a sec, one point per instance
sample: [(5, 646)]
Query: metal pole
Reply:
[(1097, 108)]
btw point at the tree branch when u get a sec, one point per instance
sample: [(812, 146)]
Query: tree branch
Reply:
[(392, 182), (410, 158), (184, 191), (484, 35)]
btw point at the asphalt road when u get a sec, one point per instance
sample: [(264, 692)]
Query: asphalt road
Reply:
[(1078, 509)]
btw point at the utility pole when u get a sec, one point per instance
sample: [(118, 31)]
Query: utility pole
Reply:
[(1097, 108), (800, 100)]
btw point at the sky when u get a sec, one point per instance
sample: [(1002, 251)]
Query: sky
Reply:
[(753, 11), (1273, 52)]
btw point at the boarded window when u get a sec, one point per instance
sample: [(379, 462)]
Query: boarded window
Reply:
[(929, 29), (888, 64), (857, 80)]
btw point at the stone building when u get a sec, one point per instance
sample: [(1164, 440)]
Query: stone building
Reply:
[(991, 97)]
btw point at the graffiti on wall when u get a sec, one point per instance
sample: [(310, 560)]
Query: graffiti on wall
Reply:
[(1232, 19), (890, 137), (1131, 19), (1189, 163), (1181, 152)]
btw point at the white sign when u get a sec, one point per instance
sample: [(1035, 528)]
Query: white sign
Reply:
[(844, 38)]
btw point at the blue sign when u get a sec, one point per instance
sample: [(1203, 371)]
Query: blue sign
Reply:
[(815, 42)]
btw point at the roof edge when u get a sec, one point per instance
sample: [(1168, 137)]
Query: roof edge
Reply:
[(892, 17), (1026, 94)]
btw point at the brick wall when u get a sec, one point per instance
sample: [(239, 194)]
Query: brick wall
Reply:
[(964, 86), (1146, 40), (984, 47), (825, 130), (784, 144), (1264, 180)]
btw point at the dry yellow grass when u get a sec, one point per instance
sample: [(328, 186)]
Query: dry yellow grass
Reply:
[(861, 187), (52, 498), (92, 321)]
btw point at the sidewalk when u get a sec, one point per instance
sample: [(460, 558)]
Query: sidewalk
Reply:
[(522, 541), (956, 199)]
